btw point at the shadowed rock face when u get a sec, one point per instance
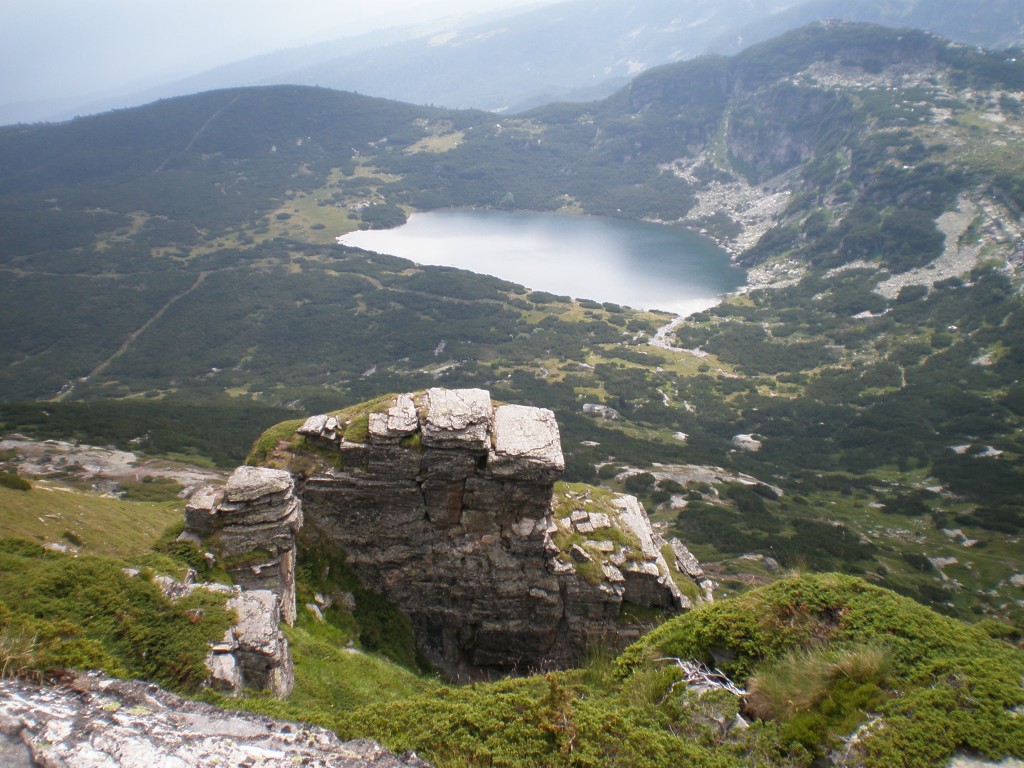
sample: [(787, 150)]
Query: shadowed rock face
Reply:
[(97, 721), (442, 503), (456, 529)]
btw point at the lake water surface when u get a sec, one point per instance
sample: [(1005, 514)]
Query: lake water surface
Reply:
[(645, 266)]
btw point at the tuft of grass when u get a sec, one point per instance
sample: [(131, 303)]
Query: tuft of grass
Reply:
[(358, 430), (268, 442), (152, 489), (802, 679), (17, 649)]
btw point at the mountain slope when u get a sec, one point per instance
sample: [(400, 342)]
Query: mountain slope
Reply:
[(872, 177)]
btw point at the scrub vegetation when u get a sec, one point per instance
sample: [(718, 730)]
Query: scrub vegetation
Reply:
[(175, 291)]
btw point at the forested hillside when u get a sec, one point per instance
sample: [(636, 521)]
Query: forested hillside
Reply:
[(871, 180)]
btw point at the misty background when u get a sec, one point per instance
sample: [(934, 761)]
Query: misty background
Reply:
[(63, 58)]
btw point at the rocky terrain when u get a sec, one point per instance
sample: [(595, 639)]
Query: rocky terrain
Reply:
[(102, 468), (92, 720), (444, 503)]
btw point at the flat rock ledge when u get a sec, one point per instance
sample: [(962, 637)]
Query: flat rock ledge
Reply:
[(96, 721)]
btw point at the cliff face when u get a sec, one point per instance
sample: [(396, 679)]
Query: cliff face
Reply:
[(444, 503), (446, 509)]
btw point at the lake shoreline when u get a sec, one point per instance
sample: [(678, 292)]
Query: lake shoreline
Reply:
[(637, 264)]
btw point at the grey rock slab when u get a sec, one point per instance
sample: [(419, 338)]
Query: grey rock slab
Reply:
[(101, 722), (458, 418), (318, 426), (399, 421), (258, 616), (251, 483), (634, 519), (685, 561), (579, 554), (747, 443), (225, 674), (612, 574), (526, 439)]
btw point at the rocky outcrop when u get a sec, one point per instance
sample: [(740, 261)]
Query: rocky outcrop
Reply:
[(445, 507), (253, 654), (249, 526), (600, 410), (92, 720), (747, 443), (689, 566), (443, 503)]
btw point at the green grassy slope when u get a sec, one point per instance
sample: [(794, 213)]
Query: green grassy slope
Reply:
[(821, 657)]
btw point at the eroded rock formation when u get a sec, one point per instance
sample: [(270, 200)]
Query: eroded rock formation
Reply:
[(443, 502), (92, 720), (250, 525), (446, 509), (253, 654)]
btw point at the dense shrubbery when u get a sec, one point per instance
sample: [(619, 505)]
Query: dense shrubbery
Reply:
[(86, 613), (937, 676), (13, 481), (819, 656)]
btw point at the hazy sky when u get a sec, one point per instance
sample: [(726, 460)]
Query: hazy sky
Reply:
[(61, 50)]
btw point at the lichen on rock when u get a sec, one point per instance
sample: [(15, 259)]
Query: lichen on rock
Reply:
[(92, 720)]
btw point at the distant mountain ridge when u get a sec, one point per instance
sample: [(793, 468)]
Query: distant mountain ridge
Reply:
[(581, 49), (803, 113), (184, 251)]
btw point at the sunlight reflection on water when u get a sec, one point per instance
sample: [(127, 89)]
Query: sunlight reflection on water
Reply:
[(646, 266)]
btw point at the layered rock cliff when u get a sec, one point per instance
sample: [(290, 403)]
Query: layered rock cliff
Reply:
[(251, 523), (444, 503)]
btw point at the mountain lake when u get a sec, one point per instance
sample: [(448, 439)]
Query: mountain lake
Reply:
[(645, 266)]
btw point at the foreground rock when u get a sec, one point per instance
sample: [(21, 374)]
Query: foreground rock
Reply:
[(250, 525), (253, 654), (93, 720), (443, 503)]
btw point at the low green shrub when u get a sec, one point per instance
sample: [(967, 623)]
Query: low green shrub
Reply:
[(108, 620), (809, 648), (14, 481)]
